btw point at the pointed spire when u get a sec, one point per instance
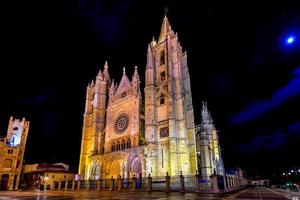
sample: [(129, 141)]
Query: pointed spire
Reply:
[(105, 73), (99, 76), (112, 88), (136, 74), (92, 83), (165, 29), (206, 118)]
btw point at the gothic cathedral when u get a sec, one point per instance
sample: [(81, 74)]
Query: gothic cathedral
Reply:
[(125, 134)]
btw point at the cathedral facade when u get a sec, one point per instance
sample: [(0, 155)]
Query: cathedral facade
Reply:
[(12, 148), (126, 134)]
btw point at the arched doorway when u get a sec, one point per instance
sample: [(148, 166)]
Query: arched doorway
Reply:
[(134, 168), (95, 171), (4, 182)]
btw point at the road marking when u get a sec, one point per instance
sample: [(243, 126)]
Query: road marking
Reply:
[(281, 194), (233, 196), (259, 194)]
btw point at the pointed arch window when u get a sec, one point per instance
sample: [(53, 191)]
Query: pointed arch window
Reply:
[(128, 143), (118, 145), (162, 58), (163, 76), (162, 99), (113, 147), (123, 144)]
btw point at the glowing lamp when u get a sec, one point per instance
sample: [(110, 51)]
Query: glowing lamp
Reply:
[(290, 40), (292, 171)]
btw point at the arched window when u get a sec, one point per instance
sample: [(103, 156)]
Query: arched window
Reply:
[(113, 147), (128, 143), (163, 76), (161, 99), (162, 57), (123, 144), (118, 145)]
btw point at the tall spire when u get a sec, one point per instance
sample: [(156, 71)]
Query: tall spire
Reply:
[(99, 76), (206, 118), (165, 29)]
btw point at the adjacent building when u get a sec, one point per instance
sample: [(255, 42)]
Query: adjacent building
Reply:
[(44, 174), (12, 149)]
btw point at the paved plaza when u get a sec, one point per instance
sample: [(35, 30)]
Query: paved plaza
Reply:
[(246, 194)]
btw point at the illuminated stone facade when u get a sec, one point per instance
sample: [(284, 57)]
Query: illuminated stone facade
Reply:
[(208, 147), (12, 149), (124, 136)]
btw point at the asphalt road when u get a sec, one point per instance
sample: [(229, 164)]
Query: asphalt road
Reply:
[(247, 194)]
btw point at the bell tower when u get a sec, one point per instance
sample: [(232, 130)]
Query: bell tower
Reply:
[(92, 142), (169, 117)]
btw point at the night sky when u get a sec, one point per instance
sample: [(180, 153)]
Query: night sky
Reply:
[(238, 57)]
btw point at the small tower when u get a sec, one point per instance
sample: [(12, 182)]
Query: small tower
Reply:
[(12, 149), (210, 160)]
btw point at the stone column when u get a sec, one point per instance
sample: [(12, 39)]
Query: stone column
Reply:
[(120, 183), (112, 183), (149, 185), (215, 186), (225, 183), (182, 188), (197, 182), (78, 185), (66, 185), (73, 184), (168, 183), (133, 182), (231, 181), (59, 185)]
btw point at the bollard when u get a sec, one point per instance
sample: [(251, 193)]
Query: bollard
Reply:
[(89, 186), (66, 185), (100, 181), (73, 184), (197, 182), (182, 188), (78, 185), (52, 185), (98, 184), (112, 183), (133, 182), (59, 185), (149, 185), (119, 183), (167, 183), (215, 185)]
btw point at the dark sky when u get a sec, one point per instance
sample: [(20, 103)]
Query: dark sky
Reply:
[(238, 59)]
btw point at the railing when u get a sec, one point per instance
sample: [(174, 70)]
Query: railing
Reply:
[(217, 184)]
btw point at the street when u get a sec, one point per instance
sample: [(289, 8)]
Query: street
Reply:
[(250, 193)]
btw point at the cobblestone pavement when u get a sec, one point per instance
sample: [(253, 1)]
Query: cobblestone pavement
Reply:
[(246, 194)]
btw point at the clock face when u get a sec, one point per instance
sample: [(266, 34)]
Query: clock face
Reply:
[(121, 123)]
